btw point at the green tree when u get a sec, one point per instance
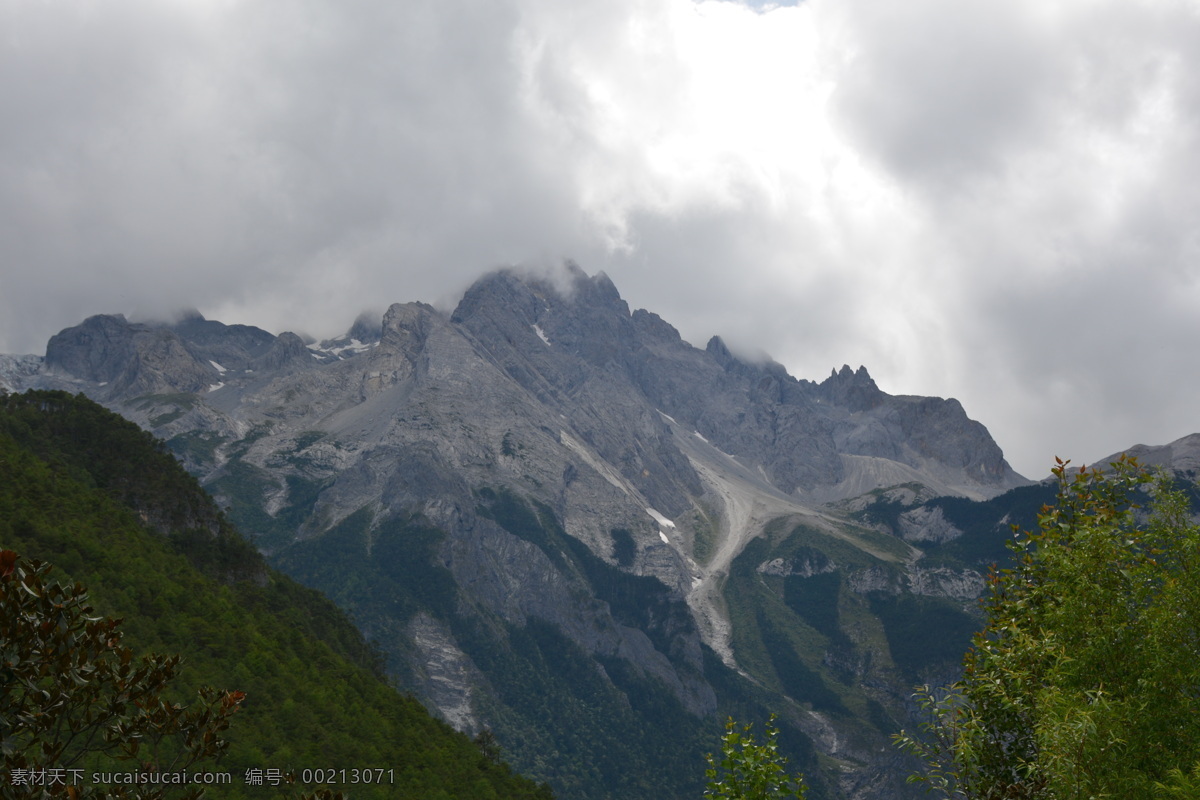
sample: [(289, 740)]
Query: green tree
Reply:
[(71, 692), (751, 771), (1085, 682)]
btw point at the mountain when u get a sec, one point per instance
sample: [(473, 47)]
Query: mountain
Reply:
[(1181, 456), (565, 524), (108, 506)]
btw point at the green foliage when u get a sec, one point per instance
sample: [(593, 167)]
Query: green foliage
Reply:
[(610, 732), (245, 488), (706, 525), (784, 626), (815, 599), (314, 697), (923, 633), (1181, 785), (71, 692), (99, 449), (624, 549), (1084, 682), (70, 433), (797, 679), (616, 732), (986, 525), (751, 771), (509, 446), (385, 569), (197, 446)]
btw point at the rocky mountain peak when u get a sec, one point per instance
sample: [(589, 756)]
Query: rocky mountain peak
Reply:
[(585, 319), (406, 326), (234, 347), (503, 293), (532, 297), (288, 352), (367, 328), (128, 358), (572, 343), (717, 349), (854, 389), (599, 291), (652, 327), (1181, 456), (97, 349)]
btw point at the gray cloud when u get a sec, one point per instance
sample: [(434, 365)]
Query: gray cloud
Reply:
[(993, 202)]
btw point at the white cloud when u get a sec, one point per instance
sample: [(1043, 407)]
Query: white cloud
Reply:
[(991, 201)]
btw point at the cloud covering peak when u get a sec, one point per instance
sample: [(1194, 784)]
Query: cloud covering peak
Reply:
[(989, 201)]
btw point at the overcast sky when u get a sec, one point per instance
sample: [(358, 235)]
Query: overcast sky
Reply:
[(994, 200)]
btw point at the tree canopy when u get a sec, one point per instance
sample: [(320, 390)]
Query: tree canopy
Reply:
[(70, 691), (748, 770), (1085, 682)]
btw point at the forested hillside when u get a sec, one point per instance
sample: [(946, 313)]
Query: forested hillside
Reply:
[(105, 503)]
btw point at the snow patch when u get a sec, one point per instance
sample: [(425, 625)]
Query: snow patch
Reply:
[(663, 536), (660, 519), (668, 416), (541, 334), (217, 367), (699, 436), (354, 347), (216, 386)]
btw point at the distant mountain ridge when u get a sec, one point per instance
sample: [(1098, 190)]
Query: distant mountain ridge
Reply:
[(1181, 456), (545, 483), (511, 318)]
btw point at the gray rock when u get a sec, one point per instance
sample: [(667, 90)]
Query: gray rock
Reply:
[(446, 675), (1181, 455), (927, 524), (286, 353), (234, 347), (18, 370), (945, 582)]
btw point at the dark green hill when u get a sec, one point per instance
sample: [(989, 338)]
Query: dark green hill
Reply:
[(102, 500)]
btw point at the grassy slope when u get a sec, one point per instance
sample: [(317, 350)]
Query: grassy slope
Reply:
[(852, 656)]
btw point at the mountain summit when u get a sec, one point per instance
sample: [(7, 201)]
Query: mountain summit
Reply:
[(538, 505)]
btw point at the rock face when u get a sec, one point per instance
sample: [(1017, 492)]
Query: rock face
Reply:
[(546, 492), (235, 347), (1181, 455), (925, 524), (795, 429), (18, 370), (133, 359)]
